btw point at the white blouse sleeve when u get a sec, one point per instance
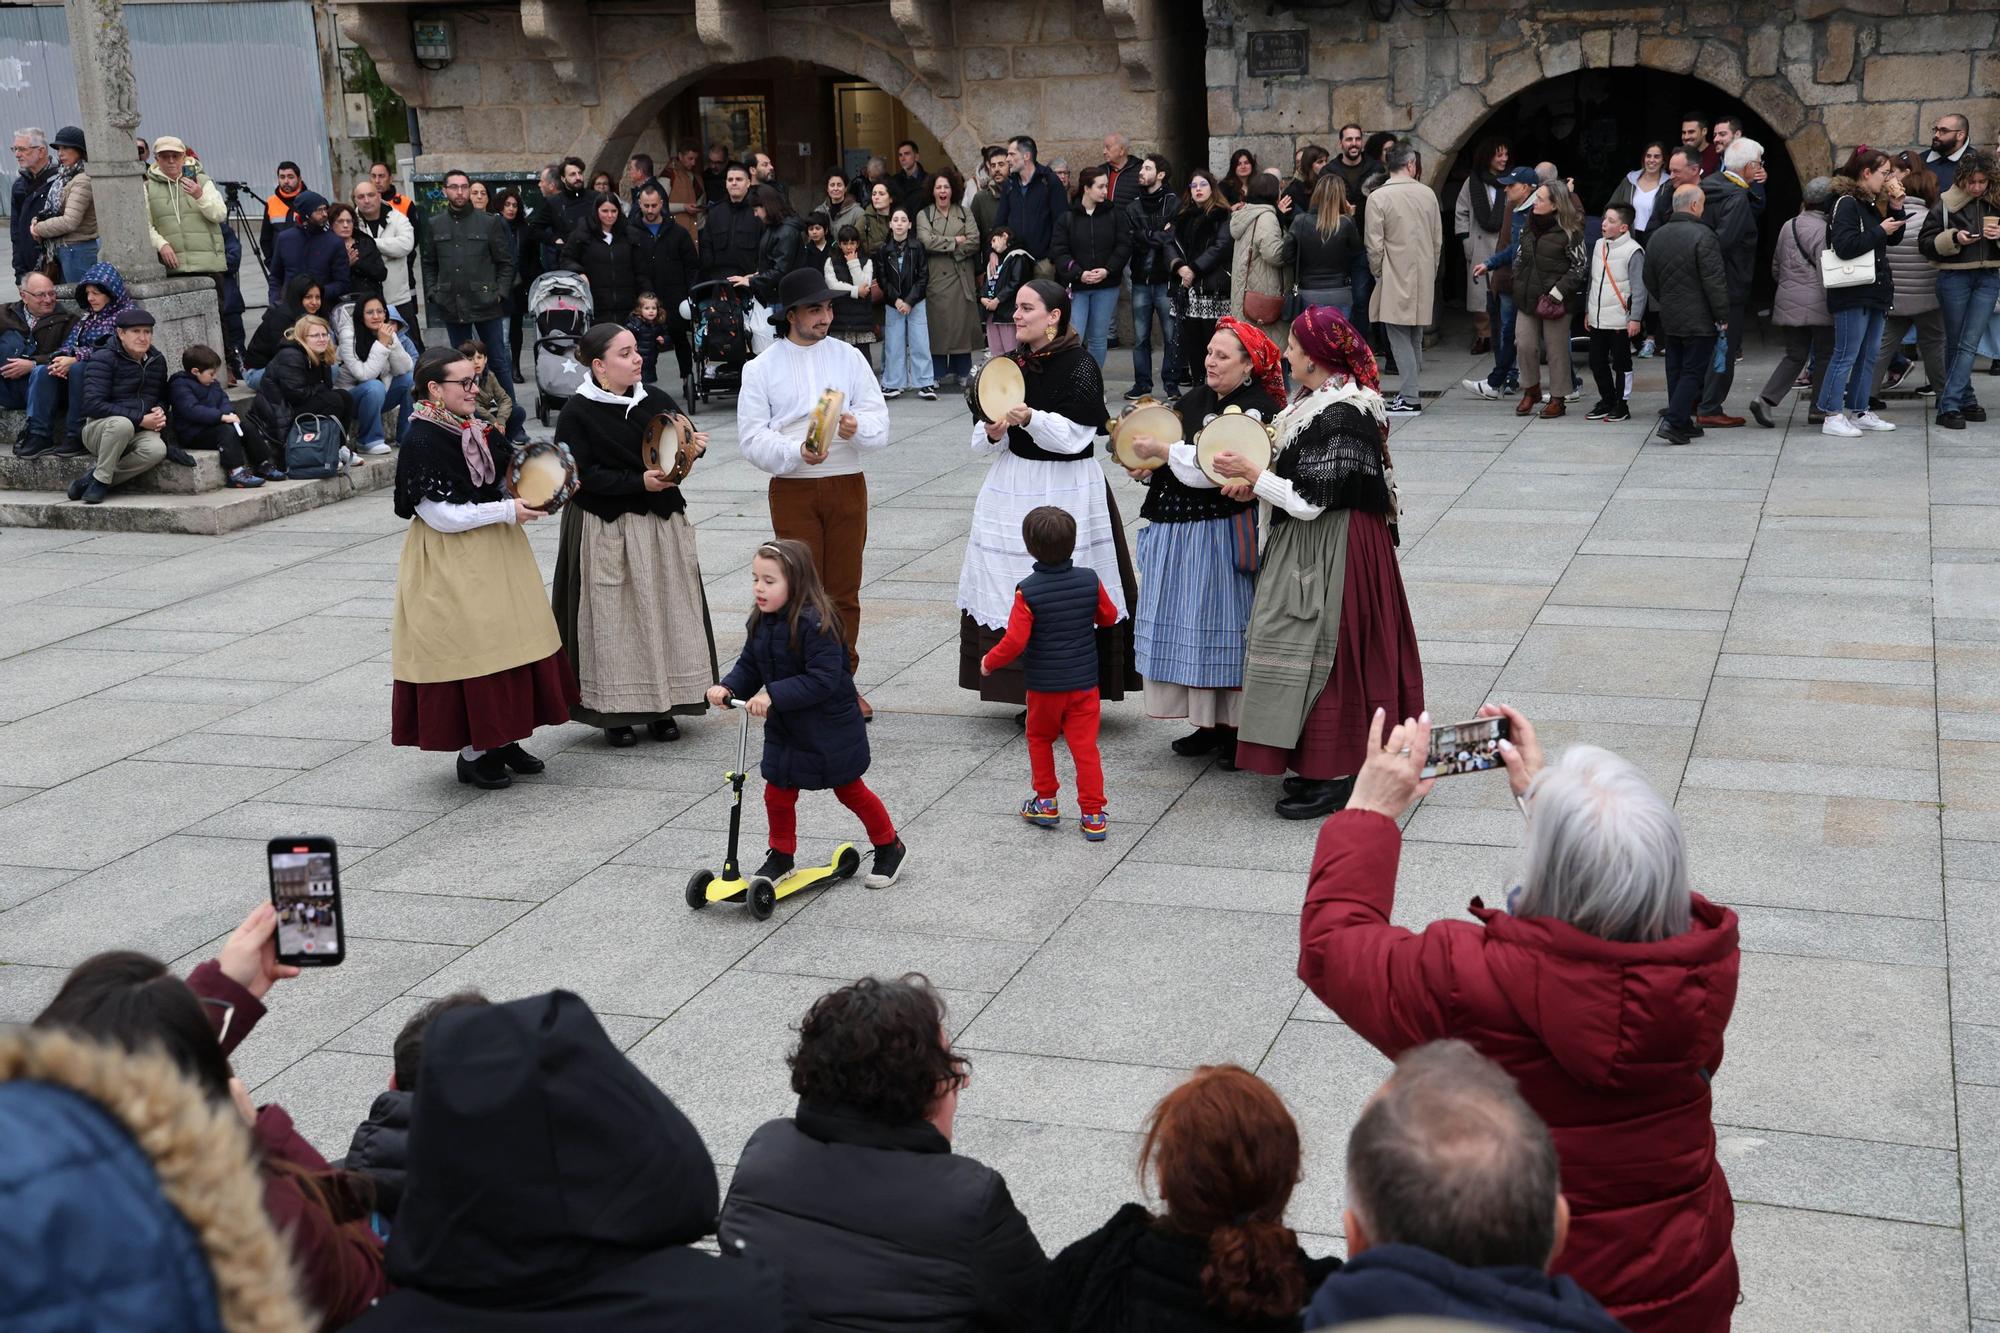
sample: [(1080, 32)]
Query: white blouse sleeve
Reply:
[(1277, 491), (1181, 458), (1058, 434), (464, 517), (980, 444)]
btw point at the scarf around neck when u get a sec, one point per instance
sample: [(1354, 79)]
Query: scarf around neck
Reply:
[(1488, 199), (471, 434), (597, 393), (1037, 359)]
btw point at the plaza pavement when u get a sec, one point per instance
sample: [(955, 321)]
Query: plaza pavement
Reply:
[(1797, 638)]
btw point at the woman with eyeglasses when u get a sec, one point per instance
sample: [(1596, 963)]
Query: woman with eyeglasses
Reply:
[(477, 661)]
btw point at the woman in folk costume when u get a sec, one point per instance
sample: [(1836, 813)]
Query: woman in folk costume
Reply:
[(1198, 550), (628, 591), (477, 661), (1042, 456), (1330, 638)]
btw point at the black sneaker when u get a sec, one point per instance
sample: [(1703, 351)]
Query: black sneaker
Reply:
[(79, 486), (1762, 411), (929, 395), (1619, 412), (1897, 374), (96, 493), (1972, 412), (888, 865), (776, 866), (1951, 420), (1136, 392), (1598, 411)]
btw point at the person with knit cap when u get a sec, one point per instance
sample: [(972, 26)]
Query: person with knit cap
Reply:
[(309, 246)]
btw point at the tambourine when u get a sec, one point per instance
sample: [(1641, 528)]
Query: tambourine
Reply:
[(1144, 417), (669, 446), (1232, 432), (542, 475), (824, 424), (996, 388)]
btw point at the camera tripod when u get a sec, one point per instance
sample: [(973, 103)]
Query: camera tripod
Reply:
[(233, 196)]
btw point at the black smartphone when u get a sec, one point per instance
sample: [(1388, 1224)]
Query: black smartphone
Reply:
[(305, 889), (1466, 747)]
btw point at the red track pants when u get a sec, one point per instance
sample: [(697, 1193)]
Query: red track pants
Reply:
[(781, 809), (1072, 715)]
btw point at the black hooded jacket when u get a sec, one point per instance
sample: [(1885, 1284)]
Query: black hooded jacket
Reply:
[(552, 1186), (270, 334)]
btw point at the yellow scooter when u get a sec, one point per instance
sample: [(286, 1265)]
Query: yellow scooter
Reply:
[(705, 886)]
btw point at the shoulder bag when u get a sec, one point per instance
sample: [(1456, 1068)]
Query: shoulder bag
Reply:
[(1835, 272)]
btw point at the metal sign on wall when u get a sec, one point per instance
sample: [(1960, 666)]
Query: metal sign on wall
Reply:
[(1280, 55)]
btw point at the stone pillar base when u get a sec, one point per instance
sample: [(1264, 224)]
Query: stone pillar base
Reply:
[(184, 312)]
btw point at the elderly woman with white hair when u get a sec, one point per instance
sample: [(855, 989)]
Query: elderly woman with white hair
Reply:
[(1603, 987)]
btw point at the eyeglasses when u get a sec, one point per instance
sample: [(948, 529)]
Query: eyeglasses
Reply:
[(469, 384), (228, 1016), (1944, 129)]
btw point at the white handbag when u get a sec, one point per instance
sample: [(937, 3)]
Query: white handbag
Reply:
[(1836, 272)]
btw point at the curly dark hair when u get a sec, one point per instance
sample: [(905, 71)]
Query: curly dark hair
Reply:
[(878, 1048)]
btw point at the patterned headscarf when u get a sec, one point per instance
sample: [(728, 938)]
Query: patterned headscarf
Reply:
[(1327, 337), (1264, 354)]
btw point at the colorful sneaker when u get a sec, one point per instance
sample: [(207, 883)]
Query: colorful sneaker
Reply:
[(1095, 827), (1041, 811)]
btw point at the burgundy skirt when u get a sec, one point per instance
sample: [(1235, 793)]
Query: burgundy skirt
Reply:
[(1375, 666), (485, 712)]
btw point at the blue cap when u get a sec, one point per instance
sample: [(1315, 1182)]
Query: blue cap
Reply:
[(1519, 176)]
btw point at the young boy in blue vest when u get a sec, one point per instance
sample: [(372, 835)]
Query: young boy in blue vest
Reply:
[(1053, 627)]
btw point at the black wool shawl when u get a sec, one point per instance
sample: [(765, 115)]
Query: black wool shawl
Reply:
[(1064, 379), (1171, 500), (431, 466), (607, 440)]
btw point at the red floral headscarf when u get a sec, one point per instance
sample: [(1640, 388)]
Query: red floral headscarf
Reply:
[(1326, 337), (1263, 353)]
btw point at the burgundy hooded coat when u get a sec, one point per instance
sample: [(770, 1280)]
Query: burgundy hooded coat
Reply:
[(1613, 1044)]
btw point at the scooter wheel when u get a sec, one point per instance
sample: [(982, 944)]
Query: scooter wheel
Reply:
[(697, 889), (763, 897), (849, 862)]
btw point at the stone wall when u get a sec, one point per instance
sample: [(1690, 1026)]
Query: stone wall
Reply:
[(1826, 74), (545, 78)]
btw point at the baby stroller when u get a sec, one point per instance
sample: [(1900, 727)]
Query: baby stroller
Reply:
[(559, 303), (716, 312)]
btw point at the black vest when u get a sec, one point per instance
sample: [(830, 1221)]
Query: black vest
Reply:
[(1062, 651)]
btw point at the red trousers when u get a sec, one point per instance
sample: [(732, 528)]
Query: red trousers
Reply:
[(781, 809), (1072, 715)]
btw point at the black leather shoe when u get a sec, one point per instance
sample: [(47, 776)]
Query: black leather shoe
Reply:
[(487, 771), (1202, 740), (1951, 420), (518, 759), (77, 487), (1972, 412), (1296, 784), (1225, 750), (1762, 411), (621, 738), (95, 492), (179, 456), (30, 446), (1317, 801), (664, 729)]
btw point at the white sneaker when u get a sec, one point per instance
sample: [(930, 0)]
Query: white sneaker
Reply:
[(346, 456), (1479, 389), (1838, 424), (377, 449), (1869, 421)]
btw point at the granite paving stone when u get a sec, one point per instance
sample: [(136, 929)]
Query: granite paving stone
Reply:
[(1795, 1261)]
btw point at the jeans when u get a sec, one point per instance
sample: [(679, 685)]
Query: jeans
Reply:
[(492, 332), (1146, 299), (1090, 314), (1687, 368), (951, 363), (1408, 342), (253, 378), (1803, 343), (37, 391), (401, 397), (76, 260), (1500, 311), (1966, 297), (375, 397), (906, 349), (1857, 337), (1715, 385), (1361, 282)]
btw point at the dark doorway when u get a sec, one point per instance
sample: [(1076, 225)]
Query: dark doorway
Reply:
[(1595, 125)]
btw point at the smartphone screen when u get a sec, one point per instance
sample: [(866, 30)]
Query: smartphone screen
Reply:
[(1466, 747), (305, 890)]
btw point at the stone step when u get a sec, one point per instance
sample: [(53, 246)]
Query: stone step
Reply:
[(205, 514), (54, 472)]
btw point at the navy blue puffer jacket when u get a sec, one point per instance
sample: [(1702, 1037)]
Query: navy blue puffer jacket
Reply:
[(814, 737)]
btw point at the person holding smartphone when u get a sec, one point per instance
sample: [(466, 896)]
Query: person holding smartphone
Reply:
[(477, 660), (1962, 237)]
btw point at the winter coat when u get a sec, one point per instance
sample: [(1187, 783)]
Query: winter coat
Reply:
[(1613, 1044), (1730, 213), (730, 243), (611, 266), (367, 270), (77, 222), (1030, 211), (813, 736), (1136, 1275), (1152, 220), (45, 339), (1122, 183), (1016, 267), (94, 328), (665, 264), (193, 226), (1854, 227), (847, 215), (853, 309), (395, 240), (1549, 261), (1475, 242), (270, 334), (194, 407), (25, 206), (556, 219), (380, 1149), (1090, 240), (910, 190), (1387, 1281), (1914, 275), (780, 250), (115, 385), (292, 384), (1260, 247), (1205, 242), (377, 361), (902, 271), (1323, 261), (1801, 298), (874, 229), (130, 1201), (1957, 212), (953, 270), (493, 404), (552, 1186), (1685, 277), (468, 266), (882, 1226), (306, 248), (1404, 233), (1617, 284)]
